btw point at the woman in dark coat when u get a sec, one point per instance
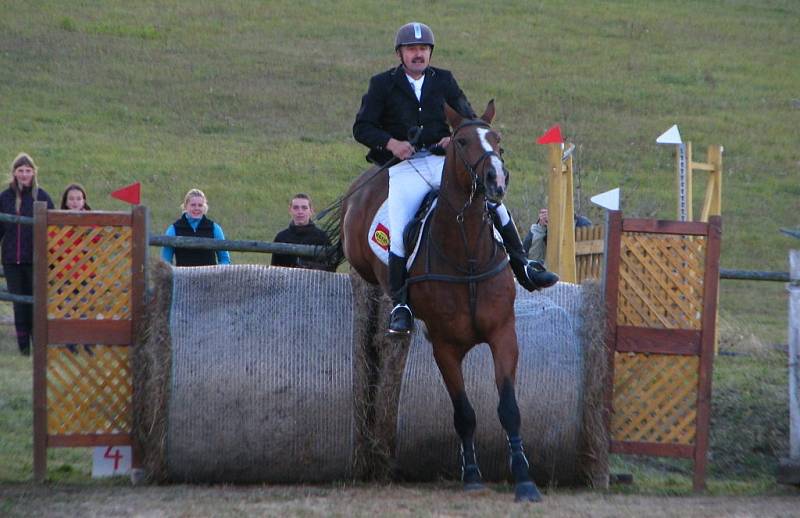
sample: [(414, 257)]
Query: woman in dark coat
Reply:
[(17, 241)]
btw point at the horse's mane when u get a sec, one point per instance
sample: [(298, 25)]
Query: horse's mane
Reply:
[(329, 220)]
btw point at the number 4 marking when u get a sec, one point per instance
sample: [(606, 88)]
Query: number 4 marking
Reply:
[(112, 453)]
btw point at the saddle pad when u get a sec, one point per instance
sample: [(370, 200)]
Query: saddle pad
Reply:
[(379, 237)]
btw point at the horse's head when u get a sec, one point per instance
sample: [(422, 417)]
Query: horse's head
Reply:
[(476, 154)]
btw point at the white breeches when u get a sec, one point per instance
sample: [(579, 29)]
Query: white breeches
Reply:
[(409, 182)]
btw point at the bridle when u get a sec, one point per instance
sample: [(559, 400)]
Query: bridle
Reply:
[(478, 185), (473, 273)]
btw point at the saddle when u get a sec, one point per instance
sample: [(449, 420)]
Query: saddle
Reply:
[(379, 237)]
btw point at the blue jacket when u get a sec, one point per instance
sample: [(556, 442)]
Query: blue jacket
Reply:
[(17, 247), (167, 253)]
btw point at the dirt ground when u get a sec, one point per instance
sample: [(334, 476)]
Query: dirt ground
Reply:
[(364, 500)]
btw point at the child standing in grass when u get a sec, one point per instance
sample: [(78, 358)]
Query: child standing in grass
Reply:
[(17, 241), (194, 223)]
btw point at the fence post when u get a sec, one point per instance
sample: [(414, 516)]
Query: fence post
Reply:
[(560, 253), (789, 468), (40, 341), (712, 202)]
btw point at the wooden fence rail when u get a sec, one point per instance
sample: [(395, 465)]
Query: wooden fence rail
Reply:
[(235, 245)]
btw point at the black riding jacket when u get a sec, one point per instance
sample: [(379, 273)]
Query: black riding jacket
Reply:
[(390, 108)]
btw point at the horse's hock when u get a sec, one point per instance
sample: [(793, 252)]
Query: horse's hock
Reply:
[(252, 374)]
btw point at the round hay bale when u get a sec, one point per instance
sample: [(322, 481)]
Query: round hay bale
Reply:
[(261, 382), (550, 390), (253, 374)]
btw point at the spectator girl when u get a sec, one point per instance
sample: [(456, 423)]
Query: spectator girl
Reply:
[(74, 198), (17, 241), (194, 223)]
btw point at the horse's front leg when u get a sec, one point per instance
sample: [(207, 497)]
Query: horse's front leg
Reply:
[(449, 360), (505, 353)]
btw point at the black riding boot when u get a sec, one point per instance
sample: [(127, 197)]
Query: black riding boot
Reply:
[(401, 320), (531, 275)]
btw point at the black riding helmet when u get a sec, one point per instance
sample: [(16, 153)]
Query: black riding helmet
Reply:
[(413, 33)]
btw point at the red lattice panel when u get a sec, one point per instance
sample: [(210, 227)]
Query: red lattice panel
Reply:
[(89, 389), (661, 281), (89, 273), (655, 398)]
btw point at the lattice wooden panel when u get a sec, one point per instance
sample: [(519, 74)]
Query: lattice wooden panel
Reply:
[(589, 247), (661, 281), (76, 256), (655, 398), (89, 389)]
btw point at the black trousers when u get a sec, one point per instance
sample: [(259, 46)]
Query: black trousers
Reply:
[(19, 279)]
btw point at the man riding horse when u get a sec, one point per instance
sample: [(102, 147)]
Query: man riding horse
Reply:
[(402, 121)]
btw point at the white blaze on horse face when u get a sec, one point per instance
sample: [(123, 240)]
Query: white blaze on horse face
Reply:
[(496, 163)]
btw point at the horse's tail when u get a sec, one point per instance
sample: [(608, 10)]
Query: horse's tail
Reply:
[(330, 221)]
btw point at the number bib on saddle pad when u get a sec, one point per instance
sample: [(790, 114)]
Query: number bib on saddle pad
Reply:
[(379, 237)]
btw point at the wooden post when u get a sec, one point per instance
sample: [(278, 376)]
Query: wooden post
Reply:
[(560, 254), (139, 246), (707, 345), (40, 341), (712, 202), (794, 353), (554, 206), (567, 268), (610, 288), (789, 469)]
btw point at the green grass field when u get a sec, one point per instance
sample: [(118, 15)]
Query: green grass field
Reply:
[(254, 101)]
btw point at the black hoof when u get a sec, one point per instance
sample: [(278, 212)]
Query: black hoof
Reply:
[(394, 333), (472, 487), (473, 481), (527, 492)]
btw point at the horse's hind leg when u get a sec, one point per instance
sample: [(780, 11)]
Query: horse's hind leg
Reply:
[(505, 364), (449, 361)]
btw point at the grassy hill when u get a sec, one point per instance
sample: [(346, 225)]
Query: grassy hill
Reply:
[(254, 101)]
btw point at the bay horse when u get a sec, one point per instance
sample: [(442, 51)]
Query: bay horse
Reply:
[(463, 290)]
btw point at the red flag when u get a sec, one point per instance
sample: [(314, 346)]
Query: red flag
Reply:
[(551, 136), (130, 194)]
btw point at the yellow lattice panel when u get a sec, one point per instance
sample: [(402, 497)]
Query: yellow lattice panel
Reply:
[(89, 389), (655, 398), (589, 249), (661, 281), (76, 256)]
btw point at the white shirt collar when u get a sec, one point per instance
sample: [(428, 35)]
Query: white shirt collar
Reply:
[(417, 85)]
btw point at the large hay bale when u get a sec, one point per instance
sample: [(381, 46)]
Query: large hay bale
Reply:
[(550, 383), (261, 386), (256, 374)]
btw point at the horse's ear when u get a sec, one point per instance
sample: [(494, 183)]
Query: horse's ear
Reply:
[(488, 114), (453, 117)]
